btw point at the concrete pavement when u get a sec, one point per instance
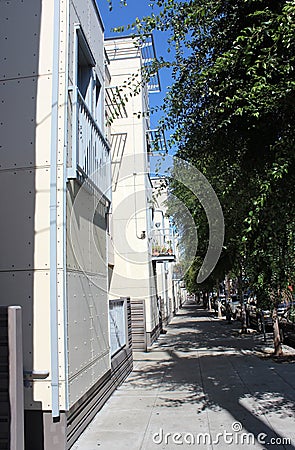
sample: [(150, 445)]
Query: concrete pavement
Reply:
[(200, 386)]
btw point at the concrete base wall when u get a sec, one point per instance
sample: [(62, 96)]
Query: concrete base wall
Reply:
[(84, 411), (152, 336), (41, 433)]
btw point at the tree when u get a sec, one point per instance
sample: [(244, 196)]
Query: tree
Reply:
[(232, 107)]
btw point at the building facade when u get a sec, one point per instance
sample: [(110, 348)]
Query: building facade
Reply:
[(165, 251), (132, 207), (55, 253)]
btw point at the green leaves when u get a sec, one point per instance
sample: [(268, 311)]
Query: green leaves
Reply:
[(122, 3)]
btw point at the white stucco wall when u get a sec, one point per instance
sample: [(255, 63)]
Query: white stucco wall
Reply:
[(132, 274)]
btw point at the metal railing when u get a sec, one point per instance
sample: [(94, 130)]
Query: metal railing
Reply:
[(90, 156), (163, 244), (118, 320), (156, 142), (163, 241)]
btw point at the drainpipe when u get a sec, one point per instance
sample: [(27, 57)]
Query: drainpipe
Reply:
[(65, 303), (53, 219)]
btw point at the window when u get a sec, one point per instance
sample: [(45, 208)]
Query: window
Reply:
[(84, 70), (98, 106)]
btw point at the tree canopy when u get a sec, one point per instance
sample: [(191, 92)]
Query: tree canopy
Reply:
[(232, 107)]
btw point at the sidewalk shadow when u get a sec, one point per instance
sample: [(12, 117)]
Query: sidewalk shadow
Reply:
[(193, 377)]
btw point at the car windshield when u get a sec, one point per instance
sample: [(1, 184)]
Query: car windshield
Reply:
[(292, 314), (236, 299), (282, 305)]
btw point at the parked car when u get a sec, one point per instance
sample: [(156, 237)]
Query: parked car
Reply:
[(287, 326), (216, 300), (239, 310), (282, 308), (234, 304), (258, 316)]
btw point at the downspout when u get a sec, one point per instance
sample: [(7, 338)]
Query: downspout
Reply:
[(53, 218), (65, 179), (163, 271)]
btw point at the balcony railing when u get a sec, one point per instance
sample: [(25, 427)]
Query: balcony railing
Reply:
[(90, 155), (156, 142), (163, 245), (148, 57)]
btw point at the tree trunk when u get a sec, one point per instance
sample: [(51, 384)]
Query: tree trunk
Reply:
[(219, 309), (227, 284), (244, 318), (278, 350), (205, 300), (209, 304), (243, 306)]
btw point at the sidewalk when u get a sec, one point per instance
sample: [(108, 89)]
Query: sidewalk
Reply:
[(201, 386)]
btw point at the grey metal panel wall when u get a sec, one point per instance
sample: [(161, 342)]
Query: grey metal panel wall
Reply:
[(88, 322), (17, 107), (87, 271), (18, 92), (88, 333), (85, 13), (85, 409), (21, 42), (22, 164), (17, 220), (18, 81)]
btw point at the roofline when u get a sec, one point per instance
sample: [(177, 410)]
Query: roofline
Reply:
[(98, 15), (128, 36), (120, 37)]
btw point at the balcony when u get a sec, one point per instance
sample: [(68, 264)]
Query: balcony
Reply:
[(156, 142), (89, 159), (163, 245), (148, 57)]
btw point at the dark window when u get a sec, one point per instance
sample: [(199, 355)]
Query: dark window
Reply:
[(85, 63)]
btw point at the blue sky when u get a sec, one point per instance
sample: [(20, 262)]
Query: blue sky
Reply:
[(124, 15)]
